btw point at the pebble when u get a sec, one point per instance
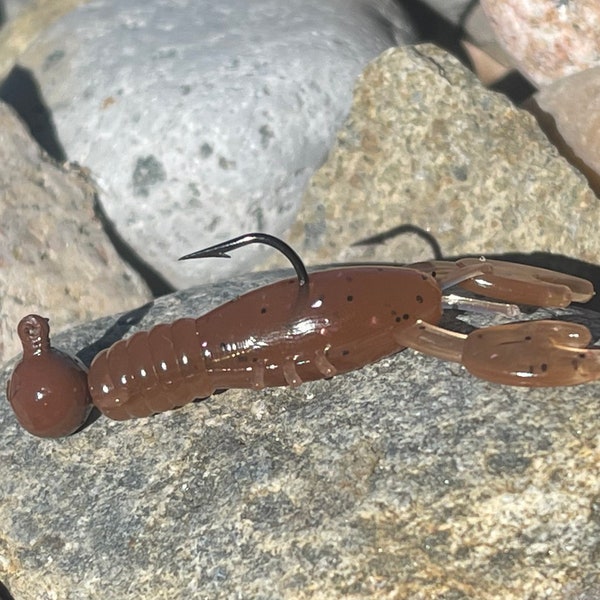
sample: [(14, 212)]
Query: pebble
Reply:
[(428, 147), (408, 478), (54, 255), (547, 39), (201, 120)]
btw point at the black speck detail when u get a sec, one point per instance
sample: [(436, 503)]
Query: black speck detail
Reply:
[(527, 338), (148, 172), (544, 367), (419, 299), (349, 298), (460, 172), (263, 310), (255, 359), (398, 319), (582, 355), (206, 150), (345, 352), (507, 462), (421, 327), (53, 58), (226, 164), (266, 135), (434, 274)]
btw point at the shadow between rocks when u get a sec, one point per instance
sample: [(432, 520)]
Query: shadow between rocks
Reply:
[(4, 593), (21, 91)]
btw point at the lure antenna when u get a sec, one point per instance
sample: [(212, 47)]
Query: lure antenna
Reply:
[(221, 250)]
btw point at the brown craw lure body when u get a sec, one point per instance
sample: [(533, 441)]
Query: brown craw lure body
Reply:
[(281, 334), (303, 329)]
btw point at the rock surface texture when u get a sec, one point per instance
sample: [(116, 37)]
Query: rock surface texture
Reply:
[(426, 145), (54, 255), (201, 120), (408, 478)]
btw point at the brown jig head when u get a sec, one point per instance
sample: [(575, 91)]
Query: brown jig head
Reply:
[(48, 389)]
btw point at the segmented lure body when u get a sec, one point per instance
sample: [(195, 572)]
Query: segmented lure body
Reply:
[(281, 334)]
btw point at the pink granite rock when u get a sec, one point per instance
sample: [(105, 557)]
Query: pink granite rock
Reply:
[(560, 107), (548, 39)]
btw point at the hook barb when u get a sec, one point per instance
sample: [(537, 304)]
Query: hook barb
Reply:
[(220, 251)]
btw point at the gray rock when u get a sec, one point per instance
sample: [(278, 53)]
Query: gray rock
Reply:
[(408, 478), (54, 254), (202, 120), (425, 144)]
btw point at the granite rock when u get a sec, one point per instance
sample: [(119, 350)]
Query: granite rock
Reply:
[(408, 478), (201, 120), (427, 146), (54, 255), (547, 39)]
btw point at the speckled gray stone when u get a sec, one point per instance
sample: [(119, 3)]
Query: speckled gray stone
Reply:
[(54, 255), (425, 144), (406, 479), (202, 120)]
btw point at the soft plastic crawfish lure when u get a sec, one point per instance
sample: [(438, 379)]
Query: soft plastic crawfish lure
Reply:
[(302, 329)]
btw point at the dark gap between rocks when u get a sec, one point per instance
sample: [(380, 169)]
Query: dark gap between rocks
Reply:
[(21, 91)]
